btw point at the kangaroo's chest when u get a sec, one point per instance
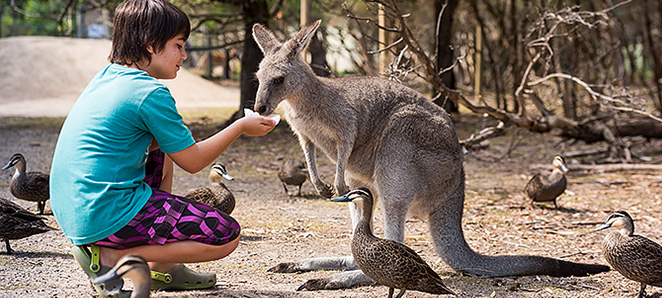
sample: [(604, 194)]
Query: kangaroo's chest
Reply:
[(318, 131)]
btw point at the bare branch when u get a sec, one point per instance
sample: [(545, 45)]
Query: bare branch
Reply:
[(483, 134), (388, 47), (564, 23), (596, 96)]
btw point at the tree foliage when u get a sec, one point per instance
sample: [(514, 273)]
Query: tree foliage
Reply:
[(585, 70)]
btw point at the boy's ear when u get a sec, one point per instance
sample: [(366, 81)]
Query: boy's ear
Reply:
[(265, 39), (301, 39)]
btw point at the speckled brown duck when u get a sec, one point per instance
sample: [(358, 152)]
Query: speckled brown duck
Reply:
[(388, 262), (546, 187), (18, 223), (293, 172), (133, 267), (217, 194), (32, 186), (635, 257)]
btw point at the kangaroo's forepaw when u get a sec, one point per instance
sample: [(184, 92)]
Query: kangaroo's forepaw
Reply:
[(285, 268), (327, 191)]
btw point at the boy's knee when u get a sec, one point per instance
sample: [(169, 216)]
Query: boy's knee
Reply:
[(224, 250)]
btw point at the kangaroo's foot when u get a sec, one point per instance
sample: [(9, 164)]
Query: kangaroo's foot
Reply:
[(327, 191), (329, 263), (286, 268), (342, 280)]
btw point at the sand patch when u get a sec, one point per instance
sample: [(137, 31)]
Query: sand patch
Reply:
[(43, 76)]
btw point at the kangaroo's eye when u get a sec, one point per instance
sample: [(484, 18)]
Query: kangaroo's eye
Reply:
[(278, 80)]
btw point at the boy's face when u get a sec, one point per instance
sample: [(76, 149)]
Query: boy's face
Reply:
[(167, 62)]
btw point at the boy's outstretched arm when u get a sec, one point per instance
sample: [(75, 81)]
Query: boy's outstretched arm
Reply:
[(199, 155)]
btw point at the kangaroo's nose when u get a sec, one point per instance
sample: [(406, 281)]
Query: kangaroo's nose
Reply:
[(261, 110)]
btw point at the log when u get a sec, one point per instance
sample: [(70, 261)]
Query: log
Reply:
[(605, 167)]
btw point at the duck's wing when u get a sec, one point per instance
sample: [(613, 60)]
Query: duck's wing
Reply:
[(202, 195), (10, 209), (225, 200), (638, 258), (406, 269), (38, 184), (534, 184), (406, 253), (651, 259), (16, 222)]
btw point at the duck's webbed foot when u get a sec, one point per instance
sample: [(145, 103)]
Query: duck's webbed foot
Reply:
[(342, 280), (642, 290)]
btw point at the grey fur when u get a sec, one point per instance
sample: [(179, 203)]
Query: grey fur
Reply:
[(389, 138)]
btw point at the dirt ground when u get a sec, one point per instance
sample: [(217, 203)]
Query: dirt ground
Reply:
[(278, 228)]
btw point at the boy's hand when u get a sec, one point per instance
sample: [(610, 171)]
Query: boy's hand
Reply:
[(256, 125)]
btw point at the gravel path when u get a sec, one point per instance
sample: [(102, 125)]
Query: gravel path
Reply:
[(278, 228), (43, 76)]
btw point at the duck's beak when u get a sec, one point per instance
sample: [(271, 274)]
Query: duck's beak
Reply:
[(222, 173), (341, 199), (564, 167), (9, 165), (110, 275), (602, 227)]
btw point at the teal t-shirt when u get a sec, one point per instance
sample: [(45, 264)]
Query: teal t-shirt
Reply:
[(96, 183)]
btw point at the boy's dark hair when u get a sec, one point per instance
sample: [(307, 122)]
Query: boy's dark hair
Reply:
[(142, 23)]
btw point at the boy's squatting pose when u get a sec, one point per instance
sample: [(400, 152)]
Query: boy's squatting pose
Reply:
[(112, 168)]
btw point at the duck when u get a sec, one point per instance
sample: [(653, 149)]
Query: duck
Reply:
[(545, 187), (635, 257), (32, 186), (133, 267), (388, 262), (217, 194), (293, 172), (18, 223)]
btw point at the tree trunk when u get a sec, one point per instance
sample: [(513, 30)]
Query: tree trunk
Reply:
[(316, 47), (444, 50), (254, 11), (2, 14), (654, 50), (318, 57)]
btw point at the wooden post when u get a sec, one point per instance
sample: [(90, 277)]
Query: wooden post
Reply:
[(305, 19), (478, 63), (209, 68), (383, 41), (305, 13)]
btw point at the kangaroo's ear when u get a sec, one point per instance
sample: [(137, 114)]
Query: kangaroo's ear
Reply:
[(265, 39), (300, 41)]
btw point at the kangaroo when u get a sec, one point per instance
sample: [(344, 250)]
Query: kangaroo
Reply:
[(391, 139)]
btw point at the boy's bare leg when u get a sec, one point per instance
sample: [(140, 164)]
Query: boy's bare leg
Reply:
[(163, 258)]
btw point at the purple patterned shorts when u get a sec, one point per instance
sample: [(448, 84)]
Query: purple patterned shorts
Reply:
[(170, 218)]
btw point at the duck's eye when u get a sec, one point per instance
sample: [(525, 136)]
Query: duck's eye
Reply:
[(278, 80)]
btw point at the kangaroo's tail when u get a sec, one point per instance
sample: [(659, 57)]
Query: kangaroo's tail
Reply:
[(446, 230)]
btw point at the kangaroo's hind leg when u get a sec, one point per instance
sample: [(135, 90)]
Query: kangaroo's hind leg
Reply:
[(395, 201), (397, 182), (351, 278), (326, 263)]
